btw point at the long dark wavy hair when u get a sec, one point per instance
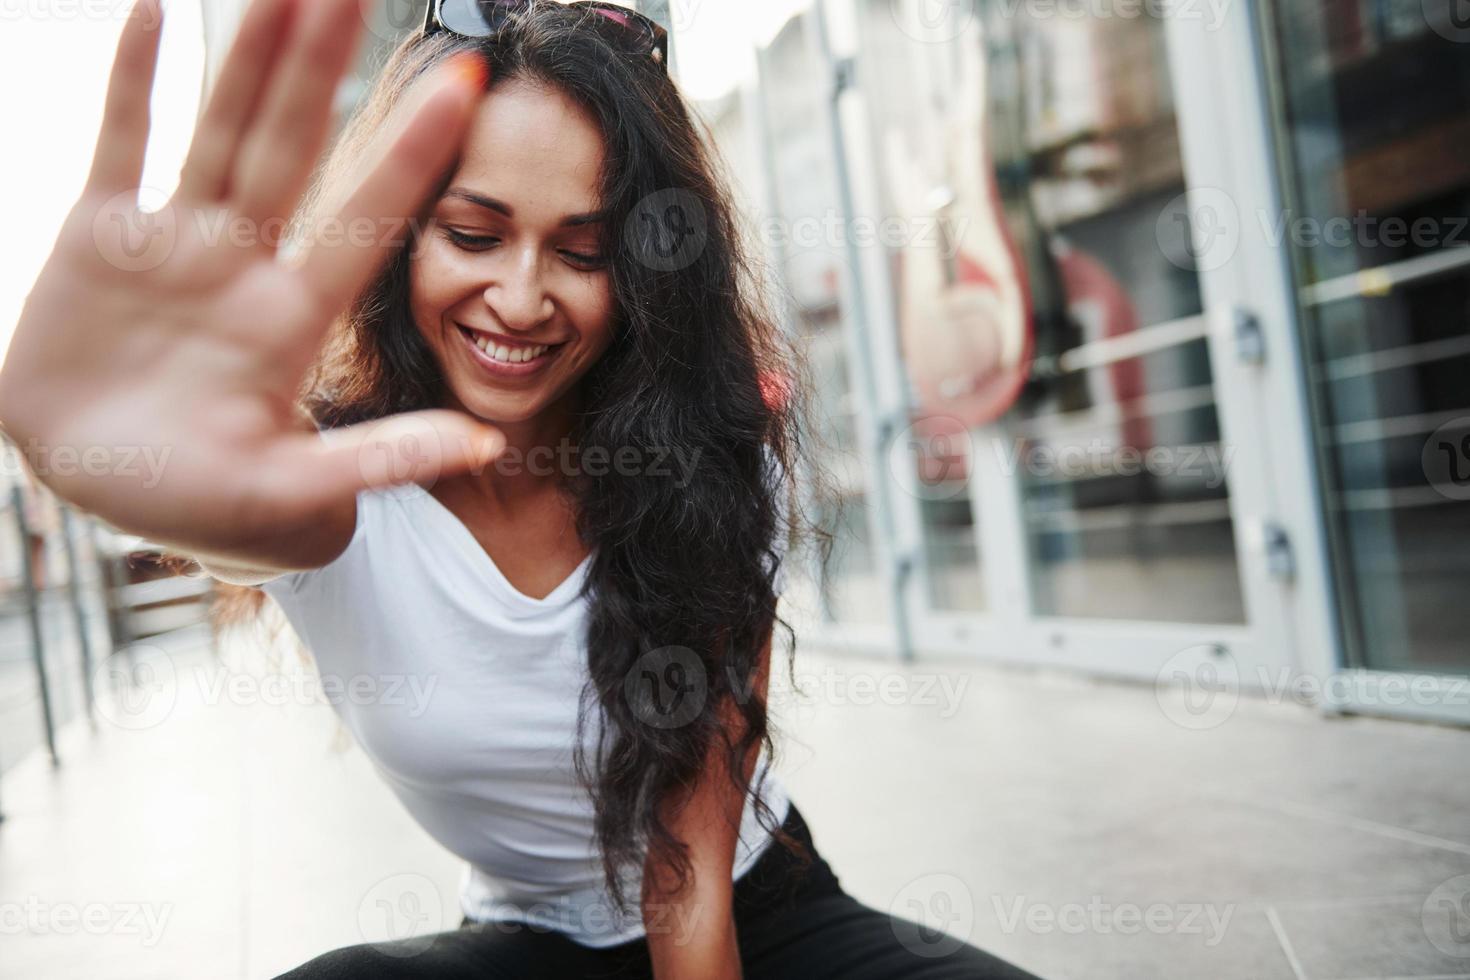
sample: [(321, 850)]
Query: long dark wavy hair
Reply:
[(682, 574)]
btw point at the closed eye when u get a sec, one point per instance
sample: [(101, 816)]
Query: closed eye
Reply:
[(471, 243), (583, 260), (481, 243)]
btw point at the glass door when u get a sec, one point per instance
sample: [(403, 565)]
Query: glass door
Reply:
[(1117, 441), (1046, 152), (1372, 116), (810, 256)]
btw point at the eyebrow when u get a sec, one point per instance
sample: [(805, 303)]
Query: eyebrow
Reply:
[(500, 207)]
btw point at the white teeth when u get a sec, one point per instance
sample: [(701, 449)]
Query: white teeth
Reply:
[(510, 355)]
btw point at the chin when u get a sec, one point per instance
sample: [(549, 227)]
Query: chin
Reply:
[(489, 408), (497, 406)]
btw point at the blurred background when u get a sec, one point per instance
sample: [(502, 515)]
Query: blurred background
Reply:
[(1141, 333)]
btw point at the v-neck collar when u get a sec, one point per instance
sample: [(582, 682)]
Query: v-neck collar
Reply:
[(559, 596)]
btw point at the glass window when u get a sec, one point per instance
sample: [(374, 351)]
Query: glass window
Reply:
[(1047, 150), (1372, 105), (811, 261)]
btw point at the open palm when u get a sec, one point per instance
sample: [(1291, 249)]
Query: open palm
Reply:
[(154, 370)]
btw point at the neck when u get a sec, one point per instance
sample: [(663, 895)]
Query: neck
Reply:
[(534, 460)]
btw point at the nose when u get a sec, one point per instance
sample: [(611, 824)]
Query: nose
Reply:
[(517, 295)]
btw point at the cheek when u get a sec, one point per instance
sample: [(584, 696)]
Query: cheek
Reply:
[(596, 312), (438, 282), (426, 284)]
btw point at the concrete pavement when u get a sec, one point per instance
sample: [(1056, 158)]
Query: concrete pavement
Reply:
[(1069, 825)]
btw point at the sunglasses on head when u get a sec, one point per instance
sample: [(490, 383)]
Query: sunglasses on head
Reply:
[(485, 18)]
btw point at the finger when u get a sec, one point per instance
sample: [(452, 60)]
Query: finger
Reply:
[(416, 447), (117, 165), (236, 99), (283, 146), (336, 268)]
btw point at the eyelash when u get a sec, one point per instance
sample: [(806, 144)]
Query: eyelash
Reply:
[(479, 243)]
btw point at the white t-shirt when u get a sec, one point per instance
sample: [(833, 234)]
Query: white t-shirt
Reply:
[(466, 702)]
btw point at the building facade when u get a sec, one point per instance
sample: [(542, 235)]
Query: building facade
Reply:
[(1139, 328), (1142, 330)]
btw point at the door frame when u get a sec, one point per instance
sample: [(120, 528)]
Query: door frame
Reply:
[(1289, 626)]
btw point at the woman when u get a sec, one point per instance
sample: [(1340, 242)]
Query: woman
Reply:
[(548, 481)]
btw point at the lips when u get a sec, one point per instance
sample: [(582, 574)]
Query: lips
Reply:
[(507, 358)]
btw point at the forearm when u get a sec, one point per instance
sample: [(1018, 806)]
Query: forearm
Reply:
[(691, 926), (692, 933), (237, 535), (287, 549)]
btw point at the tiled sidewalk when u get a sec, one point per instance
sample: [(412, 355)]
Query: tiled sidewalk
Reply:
[(1064, 824)]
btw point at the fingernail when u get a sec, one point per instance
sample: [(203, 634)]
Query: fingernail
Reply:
[(471, 68)]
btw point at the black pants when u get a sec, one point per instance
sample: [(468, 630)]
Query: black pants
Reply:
[(789, 925)]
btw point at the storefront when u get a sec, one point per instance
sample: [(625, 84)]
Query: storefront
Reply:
[(1143, 331), (1139, 327)]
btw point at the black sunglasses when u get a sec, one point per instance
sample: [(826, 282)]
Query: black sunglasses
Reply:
[(485, 18)]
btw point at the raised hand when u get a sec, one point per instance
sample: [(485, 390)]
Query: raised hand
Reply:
[(152, 375)]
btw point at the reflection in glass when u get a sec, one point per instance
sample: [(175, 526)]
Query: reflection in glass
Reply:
[(1048, 148), (1373, 110), (1116, 441), (805, 197)]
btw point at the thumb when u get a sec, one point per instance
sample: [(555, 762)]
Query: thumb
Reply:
[(416, 447)]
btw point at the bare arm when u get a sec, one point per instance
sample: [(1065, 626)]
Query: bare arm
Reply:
[(691, 932), (287, 550)]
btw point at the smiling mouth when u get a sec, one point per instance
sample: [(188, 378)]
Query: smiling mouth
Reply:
[(507, 354)]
